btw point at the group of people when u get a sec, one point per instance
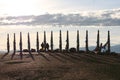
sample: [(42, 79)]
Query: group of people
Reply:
[(45, 46)]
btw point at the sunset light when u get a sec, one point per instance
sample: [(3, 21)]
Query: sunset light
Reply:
[(59, 39)]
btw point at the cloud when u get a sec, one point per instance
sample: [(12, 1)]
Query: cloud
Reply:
[(85, 18)]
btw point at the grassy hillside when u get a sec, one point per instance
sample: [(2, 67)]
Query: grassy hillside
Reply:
[(57, 66)]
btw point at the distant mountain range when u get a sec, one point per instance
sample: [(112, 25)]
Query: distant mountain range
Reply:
[(115, 48)]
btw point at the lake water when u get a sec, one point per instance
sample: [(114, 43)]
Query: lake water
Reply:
[(92, 30)]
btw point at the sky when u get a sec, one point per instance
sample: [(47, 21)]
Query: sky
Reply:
[(37, 7)]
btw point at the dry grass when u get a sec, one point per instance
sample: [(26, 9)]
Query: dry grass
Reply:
[(61, 67)]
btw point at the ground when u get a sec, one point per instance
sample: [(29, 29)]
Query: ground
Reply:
[(61, 66)]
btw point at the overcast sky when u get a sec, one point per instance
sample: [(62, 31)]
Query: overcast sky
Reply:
[(37, 7)]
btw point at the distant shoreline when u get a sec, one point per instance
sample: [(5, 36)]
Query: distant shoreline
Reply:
[(115, 49)]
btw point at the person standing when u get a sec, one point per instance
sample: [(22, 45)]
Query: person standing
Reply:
[(47, 46)]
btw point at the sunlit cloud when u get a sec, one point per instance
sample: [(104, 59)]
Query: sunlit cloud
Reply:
[(101, 17)]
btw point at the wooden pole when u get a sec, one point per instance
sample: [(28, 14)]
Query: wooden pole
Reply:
[(8, 44), (98, 40), (37, 42), (87, 41), (52, 41), (20, 45), (14, 46), (8, 47), (28, 42), (109, 50), (67, 42), (14, 43), (78, 41), (29, 49), (60, 42), (98, 43), (45, 40)]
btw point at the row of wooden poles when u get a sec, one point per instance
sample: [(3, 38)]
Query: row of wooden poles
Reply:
[(51, 43)]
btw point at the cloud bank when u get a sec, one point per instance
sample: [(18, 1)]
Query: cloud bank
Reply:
[(84, 18)]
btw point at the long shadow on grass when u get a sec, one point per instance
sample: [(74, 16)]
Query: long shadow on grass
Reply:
[(53, 55), (99, 60), (72, 56), (4, 55), (115, 58), (90, 58), (65, 57), (16, 62), (43, 56)]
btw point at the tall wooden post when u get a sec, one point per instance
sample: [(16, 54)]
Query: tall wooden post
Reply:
[(60, 42), (87, 41), (52, 41), (29, 43), (8, 44), (45, 40), (8, 47), (37, 42), (67, 42), (78, 41), (29, 47), (109, 50), (98, 40), (14, 46), (98, 43), (20, 45)]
